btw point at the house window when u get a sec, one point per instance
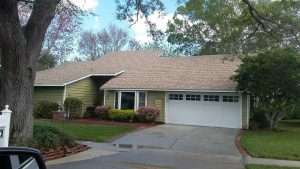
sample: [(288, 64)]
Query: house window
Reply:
[(213, 98), (116, 100), (142, 99), (175, 96), (231, 98), (127, 100), (193, 97), (130, 100)]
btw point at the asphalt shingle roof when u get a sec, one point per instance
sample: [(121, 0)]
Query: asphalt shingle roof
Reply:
[(145, 70)]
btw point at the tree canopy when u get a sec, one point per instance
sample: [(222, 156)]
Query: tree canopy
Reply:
[(94, 45), (234, 27), (272, 78), (21, 45)]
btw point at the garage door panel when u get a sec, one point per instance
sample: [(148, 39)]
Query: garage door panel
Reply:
[(178, 110), (230, 115), (211, 114), (204, 113)]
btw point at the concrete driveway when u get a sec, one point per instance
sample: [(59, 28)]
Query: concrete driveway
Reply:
[(164, 147), (195, 139)]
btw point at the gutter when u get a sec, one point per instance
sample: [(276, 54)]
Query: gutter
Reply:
[(173, 90), (90, 75)]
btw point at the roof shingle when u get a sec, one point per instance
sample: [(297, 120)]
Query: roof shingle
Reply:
[(145, 70)]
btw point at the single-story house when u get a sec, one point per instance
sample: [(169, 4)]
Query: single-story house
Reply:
[(187, 90)]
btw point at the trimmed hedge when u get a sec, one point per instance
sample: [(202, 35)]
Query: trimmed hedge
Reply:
[(147, 114), (102, 111), (47, 137), (44, 109), (121, 115)]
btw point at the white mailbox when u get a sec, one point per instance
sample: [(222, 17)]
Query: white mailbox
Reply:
[(4, 126)]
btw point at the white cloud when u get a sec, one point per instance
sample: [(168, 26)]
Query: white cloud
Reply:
[(86, 4), (140, 28)]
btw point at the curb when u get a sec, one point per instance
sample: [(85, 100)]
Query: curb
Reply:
[(238, 145), (272, 162)]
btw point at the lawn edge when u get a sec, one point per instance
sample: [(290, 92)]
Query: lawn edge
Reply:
[(246, 155), (239, 146)]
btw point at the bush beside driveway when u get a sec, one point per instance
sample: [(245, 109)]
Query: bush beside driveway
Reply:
[(283, 144)]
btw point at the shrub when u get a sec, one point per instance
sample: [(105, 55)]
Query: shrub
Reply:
[(147, 114), (121, 115), (90, 111), (44, 109), (294, 113), (258, 120), (47, 137), (73, 106), (102, 111)]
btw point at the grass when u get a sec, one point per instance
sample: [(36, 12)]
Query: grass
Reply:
[(284, 144), (255, 166), (90, 132)]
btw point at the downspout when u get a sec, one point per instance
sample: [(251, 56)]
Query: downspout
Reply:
[(64, 95), (248, 110), (104, 99)]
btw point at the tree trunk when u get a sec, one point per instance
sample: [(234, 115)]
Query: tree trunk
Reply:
[(20, 47), (271, 124), (16, 91), (274, 119)]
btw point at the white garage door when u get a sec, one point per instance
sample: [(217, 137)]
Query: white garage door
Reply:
[(204, 109)]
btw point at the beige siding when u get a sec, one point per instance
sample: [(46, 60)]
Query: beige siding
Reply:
[(51, 94), (244, 111), (157, 99), (87, 90)]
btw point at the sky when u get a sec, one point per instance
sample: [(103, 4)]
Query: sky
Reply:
[(105, 11)]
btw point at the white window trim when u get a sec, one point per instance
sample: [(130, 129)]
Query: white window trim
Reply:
[(136, 98), (104, 98), (119, 99)]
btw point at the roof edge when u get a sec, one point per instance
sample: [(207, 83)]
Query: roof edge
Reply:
[(90, 75), (174, 90)]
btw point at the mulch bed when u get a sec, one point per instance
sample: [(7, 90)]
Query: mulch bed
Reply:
[(109, 122), (53, 154)]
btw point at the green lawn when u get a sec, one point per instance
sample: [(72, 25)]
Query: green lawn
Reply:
[(284, 144), (90, 132), (255, 166)]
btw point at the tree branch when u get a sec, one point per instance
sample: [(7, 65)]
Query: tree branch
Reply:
[(34, 31), (259, 19)]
